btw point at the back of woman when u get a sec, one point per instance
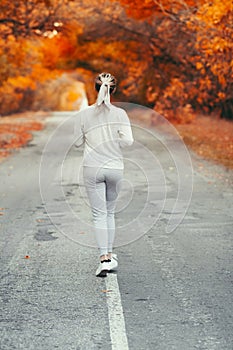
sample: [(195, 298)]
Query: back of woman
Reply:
[(105, 130)]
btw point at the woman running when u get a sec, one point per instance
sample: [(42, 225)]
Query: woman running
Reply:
[(105, 129)]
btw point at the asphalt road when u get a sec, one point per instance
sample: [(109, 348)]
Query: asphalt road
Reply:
[(173, 289)]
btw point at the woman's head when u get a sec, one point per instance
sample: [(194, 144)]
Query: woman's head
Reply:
[(106, 79)]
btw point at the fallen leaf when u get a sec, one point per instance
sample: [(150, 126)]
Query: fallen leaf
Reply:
[(106, 290), (82, 233), (1, 214)]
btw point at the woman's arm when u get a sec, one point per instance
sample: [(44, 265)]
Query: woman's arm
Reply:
[(125, 132), (78, 130)]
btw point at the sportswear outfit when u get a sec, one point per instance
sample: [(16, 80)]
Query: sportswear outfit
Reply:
[(104, 129)]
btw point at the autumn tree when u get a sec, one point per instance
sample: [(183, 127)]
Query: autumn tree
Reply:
[(22, 25), (192, 43), (27, 17), (214, 62), (84, 40), (175, 55)]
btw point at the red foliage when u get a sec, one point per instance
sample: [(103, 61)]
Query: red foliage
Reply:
[(16, 131)]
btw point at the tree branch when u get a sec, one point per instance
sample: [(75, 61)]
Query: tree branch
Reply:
[(165, 12), (11, 20)]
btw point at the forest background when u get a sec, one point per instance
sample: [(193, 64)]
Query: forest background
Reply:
[(174, 56)]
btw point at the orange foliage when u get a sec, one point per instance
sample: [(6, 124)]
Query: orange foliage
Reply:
[(22, 74), (145, 9), (174, 55), (16, 131), (54, 52), (214, 42), (197, 35)]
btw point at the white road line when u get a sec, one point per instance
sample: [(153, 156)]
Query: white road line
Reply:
[(115, 314)]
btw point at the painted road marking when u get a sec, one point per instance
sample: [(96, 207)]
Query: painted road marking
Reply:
[(115, 314)]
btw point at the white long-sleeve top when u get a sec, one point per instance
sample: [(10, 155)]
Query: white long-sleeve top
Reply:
[(104, 130)]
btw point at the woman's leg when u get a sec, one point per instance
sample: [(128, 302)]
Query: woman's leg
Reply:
[(113, 178), (94, 180)]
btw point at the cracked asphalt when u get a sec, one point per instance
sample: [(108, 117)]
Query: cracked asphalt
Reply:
[(176, 288)]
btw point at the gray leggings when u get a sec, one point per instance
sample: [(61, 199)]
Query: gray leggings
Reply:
[(102, 187)]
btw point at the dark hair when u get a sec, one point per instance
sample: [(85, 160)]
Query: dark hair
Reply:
[(99, 81)]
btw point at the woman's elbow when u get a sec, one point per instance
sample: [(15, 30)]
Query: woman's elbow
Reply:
[(130, 142), (126, 143)]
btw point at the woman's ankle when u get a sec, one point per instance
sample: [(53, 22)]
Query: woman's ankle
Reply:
[(104, 257)]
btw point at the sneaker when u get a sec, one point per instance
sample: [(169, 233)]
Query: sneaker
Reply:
[(113, 263), (103, 269)]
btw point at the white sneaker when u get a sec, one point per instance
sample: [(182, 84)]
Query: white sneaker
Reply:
[(113, 264), (103, 269)]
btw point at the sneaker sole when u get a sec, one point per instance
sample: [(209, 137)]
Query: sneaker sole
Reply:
[(103, 273)]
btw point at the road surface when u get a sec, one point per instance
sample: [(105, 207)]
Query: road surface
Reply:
[(173, 289)]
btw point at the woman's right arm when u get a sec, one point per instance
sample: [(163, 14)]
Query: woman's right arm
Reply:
[(125, 131), (78, 130)]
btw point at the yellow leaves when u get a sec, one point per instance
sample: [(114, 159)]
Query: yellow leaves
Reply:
[(9, 98), (176, 88), (220, 44), (51, 52), (199, 100), (205, 84), (173, 104), (202, 59), (214, 68), (213, 45), (139, 9), (193, 91), (22, 82), (222, 80), (148, 8), (199, 65), (12, 92), (221, 95), (15, 132), (126, 52), (184, 114), (151, 94), (212, 13), (41, 74)]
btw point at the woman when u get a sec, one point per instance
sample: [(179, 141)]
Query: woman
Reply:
[(105, 129)]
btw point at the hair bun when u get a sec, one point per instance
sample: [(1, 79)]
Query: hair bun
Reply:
[(107, 79)]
